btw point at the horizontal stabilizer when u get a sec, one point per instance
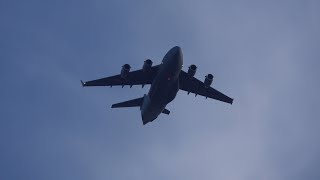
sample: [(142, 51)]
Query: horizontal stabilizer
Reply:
[(131, 103), (166, 111)]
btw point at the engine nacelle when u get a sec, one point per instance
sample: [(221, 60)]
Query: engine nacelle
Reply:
[(147, 65), (208, 80), (125, 71), (192, 71)]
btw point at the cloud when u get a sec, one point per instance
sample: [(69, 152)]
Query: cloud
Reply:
[(264, 54)]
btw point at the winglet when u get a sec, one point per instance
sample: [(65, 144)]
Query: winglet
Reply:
[(231, 101), (83, 84)]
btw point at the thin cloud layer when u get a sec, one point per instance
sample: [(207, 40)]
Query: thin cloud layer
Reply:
[(264, 54)]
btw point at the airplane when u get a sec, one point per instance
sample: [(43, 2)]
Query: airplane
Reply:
[(166, 79)]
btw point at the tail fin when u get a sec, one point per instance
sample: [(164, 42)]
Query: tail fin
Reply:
[(131, 103)]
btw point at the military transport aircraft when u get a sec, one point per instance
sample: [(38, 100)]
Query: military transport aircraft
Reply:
[(166, 79)]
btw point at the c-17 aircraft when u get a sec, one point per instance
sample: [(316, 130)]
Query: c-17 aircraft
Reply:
[(166, 80)]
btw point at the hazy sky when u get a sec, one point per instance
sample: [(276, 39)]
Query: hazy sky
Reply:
[(264, 54)]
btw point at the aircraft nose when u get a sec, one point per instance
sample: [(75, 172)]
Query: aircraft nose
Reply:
[(174, 57), (178, 54), (176, 51)]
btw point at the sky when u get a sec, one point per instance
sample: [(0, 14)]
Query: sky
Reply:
[(264, 54)]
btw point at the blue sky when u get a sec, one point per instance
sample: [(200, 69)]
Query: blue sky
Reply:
[(265, 54)]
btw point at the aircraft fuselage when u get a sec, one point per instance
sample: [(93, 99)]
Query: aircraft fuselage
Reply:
[(164, 87)]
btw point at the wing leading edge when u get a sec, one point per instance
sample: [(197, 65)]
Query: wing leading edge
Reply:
[(138, 77), (197, 87)]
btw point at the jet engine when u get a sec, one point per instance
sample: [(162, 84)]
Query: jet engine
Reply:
[(147, 65), (125, 71), (208, 80), (192, 71)]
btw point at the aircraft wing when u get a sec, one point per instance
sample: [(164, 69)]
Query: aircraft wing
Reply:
[(138, 77), (197, 87)]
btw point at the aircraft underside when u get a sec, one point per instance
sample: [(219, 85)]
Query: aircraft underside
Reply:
[(165, 79)]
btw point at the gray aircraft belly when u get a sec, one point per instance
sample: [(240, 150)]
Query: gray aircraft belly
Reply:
[(160, 94), (163, 89)]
